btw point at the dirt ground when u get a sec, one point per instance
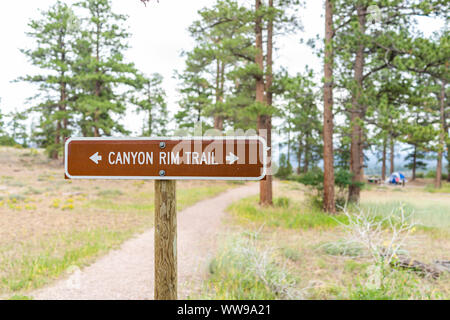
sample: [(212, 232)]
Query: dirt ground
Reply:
[(128, 273)]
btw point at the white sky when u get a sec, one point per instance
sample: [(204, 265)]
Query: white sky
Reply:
[(159, 34)]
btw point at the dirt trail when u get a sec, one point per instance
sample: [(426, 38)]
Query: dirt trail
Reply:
[(127, 273)]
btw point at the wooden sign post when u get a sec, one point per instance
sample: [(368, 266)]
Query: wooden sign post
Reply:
[(166, 160), (165, 240)]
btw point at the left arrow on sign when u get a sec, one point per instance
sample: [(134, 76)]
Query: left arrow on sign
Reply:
[(96, 158)]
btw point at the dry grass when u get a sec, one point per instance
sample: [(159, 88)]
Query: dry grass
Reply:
[(324, 269), (49, 223)]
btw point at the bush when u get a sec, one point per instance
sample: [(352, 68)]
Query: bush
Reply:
[(284, 169), (7, 141), (420, 175), (430, 174), (343, 248), (244, 271), (314, 179)]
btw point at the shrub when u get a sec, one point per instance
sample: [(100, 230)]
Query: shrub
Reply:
[(314, 180), (7, 141), (420, 175), (243, 271), (291, 253), (431, 174), (343, 248), (284, 169)]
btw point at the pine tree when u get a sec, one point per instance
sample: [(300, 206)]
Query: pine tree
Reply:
[(53, 35), (221, 34), (302, 116), (152, 102), (101, 70), (196, 97), (18, 128), (366, 49)]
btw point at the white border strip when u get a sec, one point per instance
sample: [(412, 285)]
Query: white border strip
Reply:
[(66, 171)]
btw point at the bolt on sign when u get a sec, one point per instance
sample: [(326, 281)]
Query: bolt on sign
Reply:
[(202, 158)]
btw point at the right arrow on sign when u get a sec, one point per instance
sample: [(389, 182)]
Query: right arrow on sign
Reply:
[(231, 158), (96, 158)]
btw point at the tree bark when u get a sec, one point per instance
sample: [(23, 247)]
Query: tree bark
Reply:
[(438, 181), (289, 144), (55, 153), (265, 186), (383, 161), (414, 164), (97, 70), (307, 154), (299, 156), (357, 114), (448, 162), (328, 156), (264, 121), (218, 118), (150, 117), (392, 156)]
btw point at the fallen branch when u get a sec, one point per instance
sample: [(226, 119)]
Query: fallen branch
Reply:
[(434, 270)]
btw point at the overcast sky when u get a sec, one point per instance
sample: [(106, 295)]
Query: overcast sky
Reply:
[(159, 34)]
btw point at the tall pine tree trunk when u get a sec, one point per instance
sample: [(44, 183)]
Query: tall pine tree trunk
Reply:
[(264, 121), (328, 157), (65, 121), (150, 117), (307, 154), (289, 145), (448, 162), (392, 156), (383, 160), (218, 118), (357, 114), (438, 182), (97, 82), (414, 164), (299, 156), (55, 153)]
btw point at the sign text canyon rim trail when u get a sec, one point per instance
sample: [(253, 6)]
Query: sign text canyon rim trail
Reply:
[(166, 158)]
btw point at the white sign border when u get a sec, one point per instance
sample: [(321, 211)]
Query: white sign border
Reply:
[(68, 141)]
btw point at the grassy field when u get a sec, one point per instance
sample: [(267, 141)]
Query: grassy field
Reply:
[(49, 224), (295, 251)]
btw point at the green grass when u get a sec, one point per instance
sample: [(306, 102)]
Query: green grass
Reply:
[(121, 206), (19, 297), (286, 215), (242, 271), (36, 266), (110, 193), (444, 189), (292, 254), (391, 284), (428, 214), (143, 202)]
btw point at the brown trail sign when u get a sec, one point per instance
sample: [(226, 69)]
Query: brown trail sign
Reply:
[(221, 158), (164, 159)]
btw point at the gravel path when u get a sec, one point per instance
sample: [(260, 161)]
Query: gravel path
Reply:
[(127, 273)]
